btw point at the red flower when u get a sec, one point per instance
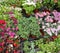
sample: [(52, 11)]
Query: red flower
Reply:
[(54, 37), (36, 11), (10, 41), (2, 22), (15, 51), (47, 10), (2, 27), (7, 51), (1, 49), (15, 45)]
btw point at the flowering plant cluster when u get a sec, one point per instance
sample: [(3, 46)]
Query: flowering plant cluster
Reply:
[(28, 20), (50, 23)]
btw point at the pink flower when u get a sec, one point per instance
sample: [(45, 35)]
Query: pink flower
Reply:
[(49, 19), (17, 28), (47, 13), (2, 33), (2, 27), (10, 12), (38, 22), (12, 16), (15, 21), (8, 29), (34, 1), (44, 13), (12, 34), (56, 15), (48, 30), (0, 44), (13, 29), (39, 15)]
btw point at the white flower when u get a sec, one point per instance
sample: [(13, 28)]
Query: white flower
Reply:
[(10, 45), (49, 52), (54, 23), (58, 27), (47, 24), (43, 27), (54, 30), (58, 21), (28, 2), (15, 36), (48, 30), (41, 1), (18, 9)]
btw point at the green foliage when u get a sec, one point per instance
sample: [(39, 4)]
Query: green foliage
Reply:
[(26, 47), (29, 8), (49, 4), (52, 46), (32, 47), (27, 26), (38, 5), (29, 47)]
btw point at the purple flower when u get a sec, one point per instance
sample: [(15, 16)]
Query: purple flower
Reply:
[(56, 15)]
